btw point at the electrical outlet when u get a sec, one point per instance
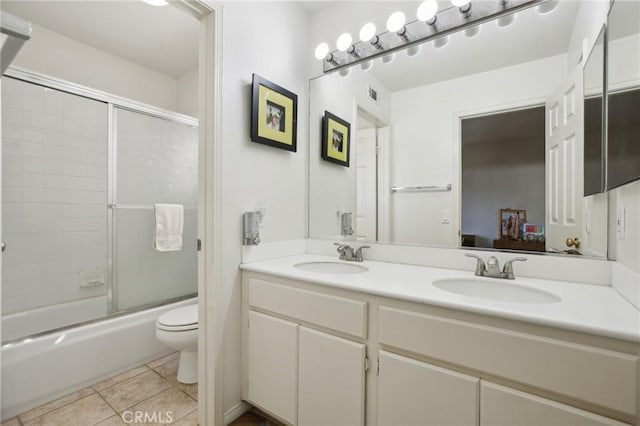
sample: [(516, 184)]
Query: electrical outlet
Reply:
[(620, 222)]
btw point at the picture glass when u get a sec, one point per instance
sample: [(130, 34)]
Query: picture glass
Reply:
[(276, 111)]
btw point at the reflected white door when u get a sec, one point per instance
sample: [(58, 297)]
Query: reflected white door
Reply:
[(564, 144), (366, 181)]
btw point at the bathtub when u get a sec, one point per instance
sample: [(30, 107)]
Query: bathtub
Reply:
[(35, 371)]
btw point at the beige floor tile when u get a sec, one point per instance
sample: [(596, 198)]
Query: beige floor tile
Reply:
[(11, 422), (113, 421), (86, 412), (189, 420), (134, 390), (169, 371), (120, 378), (45, 408), (157, 362), (170, 405)]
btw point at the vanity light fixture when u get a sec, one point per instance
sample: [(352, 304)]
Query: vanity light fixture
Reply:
[(322, 50), (344, 41), (156, 2), (403, 35), (506, 20), (344, 72)]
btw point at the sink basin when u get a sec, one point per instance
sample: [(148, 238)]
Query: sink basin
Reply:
[(495, 290), (331, 267)]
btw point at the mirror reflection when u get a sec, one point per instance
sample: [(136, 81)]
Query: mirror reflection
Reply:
[(623, 156), (477, 143)]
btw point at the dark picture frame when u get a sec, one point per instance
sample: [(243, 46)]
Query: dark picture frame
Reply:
[(336, 139), (509, 223), (274, 115)]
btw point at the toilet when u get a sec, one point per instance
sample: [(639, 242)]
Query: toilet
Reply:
[(178, 329)]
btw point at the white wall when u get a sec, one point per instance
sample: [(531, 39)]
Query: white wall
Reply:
[(187, 93), (50, 53), (425, 140), (592, 14), (501, 175), (332, 187), (254, 174), (54, 195)]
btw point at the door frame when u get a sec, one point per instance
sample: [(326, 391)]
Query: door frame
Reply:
[(458, 116)]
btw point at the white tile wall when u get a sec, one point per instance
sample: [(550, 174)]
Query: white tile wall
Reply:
[(54, 195)]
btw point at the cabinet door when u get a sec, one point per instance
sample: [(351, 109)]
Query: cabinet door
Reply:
[(412, 392), (273, 363), (331, 380), (502, 406)]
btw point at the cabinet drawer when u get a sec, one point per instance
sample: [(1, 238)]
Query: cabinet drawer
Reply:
[(335, 313), (502, 406), (594, 375)]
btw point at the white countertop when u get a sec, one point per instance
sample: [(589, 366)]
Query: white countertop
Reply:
[(586, 308)]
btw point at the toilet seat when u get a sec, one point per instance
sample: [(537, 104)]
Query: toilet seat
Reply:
[(181, 319)]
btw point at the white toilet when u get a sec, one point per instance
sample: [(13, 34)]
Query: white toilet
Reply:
[(178, 329)]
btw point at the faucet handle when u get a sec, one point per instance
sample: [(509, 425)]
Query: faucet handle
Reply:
[(359, 256), (507, 270), (481, 269)]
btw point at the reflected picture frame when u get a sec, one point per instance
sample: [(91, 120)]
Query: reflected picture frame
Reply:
[(509, 223), (274, 115), (336, 139)]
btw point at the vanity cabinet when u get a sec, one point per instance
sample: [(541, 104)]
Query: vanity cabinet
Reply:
[(412, 392), (317, 355), (299, 367)]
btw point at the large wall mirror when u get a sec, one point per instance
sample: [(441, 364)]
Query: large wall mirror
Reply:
[(477, 141)]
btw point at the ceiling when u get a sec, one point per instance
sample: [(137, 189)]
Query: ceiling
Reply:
[(163, 39)]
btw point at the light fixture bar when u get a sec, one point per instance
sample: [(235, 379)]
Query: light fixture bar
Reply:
[(449, 21)]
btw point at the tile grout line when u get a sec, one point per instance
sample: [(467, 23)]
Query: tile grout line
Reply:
[(117, 383), (57, 408)]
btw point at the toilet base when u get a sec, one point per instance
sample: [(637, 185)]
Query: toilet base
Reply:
[(188, 368)]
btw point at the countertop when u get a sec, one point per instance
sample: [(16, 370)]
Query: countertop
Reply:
[(592, 309)]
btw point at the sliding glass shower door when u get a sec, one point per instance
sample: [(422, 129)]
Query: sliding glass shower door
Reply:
[(154, 161)]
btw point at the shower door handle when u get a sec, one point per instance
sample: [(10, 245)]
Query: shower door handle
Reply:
[(4, 246)]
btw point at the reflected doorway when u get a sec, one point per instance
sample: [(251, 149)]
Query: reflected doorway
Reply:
[(503, 171)]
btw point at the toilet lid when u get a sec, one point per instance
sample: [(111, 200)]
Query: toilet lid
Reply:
[(185, 318)]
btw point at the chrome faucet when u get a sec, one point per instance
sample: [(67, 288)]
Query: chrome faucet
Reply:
[(492, 267), (348, 253)]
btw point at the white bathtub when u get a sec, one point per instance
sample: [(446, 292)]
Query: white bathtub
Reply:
[(36, 321), (40, 370)]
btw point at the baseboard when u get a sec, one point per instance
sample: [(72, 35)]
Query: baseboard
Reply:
[(236, 411)]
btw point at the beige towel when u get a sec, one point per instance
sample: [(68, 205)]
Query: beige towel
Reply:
[(169, 224)]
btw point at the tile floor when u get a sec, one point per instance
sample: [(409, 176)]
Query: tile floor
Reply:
[(150, 388)]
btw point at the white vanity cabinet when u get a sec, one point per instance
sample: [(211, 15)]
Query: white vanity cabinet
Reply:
[(299, 366), (412, 392), (306, 348)]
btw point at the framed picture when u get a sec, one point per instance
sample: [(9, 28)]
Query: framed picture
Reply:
[(510, 221), (336, 139), (274, 115)]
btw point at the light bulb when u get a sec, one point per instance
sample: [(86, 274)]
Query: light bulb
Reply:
[(505, 21), (387, 59), (548, 7), (396, 21), (322, 50), (368, 31), (460, 3), (344, 41), (427, 10), (470, 32), (441, 42), (414, 50), (344, 72), (366, 65)]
